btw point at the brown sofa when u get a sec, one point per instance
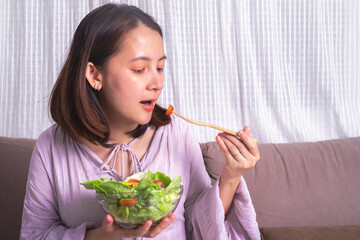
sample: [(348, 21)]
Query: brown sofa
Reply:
[(299, 190)]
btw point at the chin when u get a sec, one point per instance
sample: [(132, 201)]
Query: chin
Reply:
[(144, 121)]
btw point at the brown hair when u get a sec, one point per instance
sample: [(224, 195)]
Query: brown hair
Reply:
[(74, 104)]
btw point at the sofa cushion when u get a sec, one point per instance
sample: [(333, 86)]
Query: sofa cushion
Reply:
[(301, 184), (15, 158), (213, 159), (311, 233)]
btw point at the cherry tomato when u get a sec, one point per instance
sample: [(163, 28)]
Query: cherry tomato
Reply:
[(127, 202), (162, 184)]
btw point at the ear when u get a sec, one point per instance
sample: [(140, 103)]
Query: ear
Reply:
[(93, 76)]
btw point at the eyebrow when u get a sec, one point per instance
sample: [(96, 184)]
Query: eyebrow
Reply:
[(146, 58)]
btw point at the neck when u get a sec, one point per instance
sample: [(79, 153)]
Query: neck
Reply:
[(119, 135)]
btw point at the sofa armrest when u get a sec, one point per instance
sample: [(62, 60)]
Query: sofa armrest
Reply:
[(15, 160)]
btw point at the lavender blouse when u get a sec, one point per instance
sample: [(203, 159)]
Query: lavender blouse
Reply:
[(56, 206)]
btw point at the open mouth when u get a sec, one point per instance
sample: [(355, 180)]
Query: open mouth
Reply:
[(146, 102), (148, 105)]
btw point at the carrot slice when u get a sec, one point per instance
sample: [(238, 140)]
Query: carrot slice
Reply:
[(134, 180), (169, 110)]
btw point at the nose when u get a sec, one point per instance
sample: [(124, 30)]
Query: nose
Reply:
[(156, 80)]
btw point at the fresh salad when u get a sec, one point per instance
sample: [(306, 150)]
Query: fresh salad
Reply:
[(141, 197)]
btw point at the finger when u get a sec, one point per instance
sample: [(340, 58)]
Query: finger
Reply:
[(171, 215), (247, 130), (108, 222), (137, 232), (236, 141), (141, 231), (231, 156), (223, 147), (237, 148), (162, 225), (250, 144)]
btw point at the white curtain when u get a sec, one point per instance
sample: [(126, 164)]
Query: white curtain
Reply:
[(288, 69)]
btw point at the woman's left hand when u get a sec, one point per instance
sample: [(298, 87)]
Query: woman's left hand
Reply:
[(241, 153)]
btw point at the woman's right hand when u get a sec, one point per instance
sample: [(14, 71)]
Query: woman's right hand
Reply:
[(110, 230)]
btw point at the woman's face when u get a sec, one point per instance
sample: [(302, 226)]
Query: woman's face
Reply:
[(133, 79)]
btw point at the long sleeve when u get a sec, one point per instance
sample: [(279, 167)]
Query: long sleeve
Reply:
[(241, 221), (41, 219), (204, 211)]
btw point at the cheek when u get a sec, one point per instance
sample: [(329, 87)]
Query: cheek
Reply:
[(117, 94), (123, 91), (122, 86), (116, 83)]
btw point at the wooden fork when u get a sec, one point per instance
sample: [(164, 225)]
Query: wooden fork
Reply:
[(170, 110)]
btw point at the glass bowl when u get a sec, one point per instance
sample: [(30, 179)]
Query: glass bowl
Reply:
[(132, 209)]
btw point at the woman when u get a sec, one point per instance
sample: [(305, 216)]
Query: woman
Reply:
[(104, 103)]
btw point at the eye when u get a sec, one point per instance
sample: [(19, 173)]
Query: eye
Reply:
[(138, 70), (160, 70)]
